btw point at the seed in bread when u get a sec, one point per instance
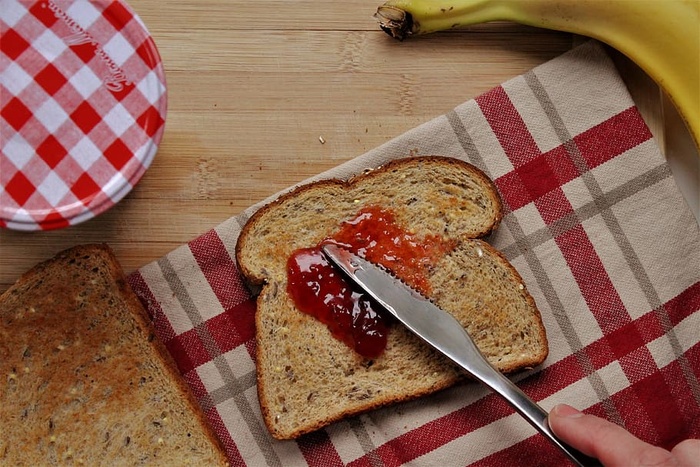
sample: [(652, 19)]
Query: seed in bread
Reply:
[(307, 378), (84, 379)]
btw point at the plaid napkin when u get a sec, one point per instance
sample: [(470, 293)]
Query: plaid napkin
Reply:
[(595, 225)]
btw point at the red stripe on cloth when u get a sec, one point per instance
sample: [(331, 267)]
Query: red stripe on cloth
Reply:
[(508, 125), (612, 137), (234, 327), (582, 258), (553, 206), (164, 330), (197, 386), (219, 269), (318, 450), (682, 306), (537, 174), (601, 353), (538, 386), (592, 279), (535, 180), (188, 350), (214, 417), (667, 429), (652, 412), (369, 461), (537, 177), (624, 340), (601, 296), (232, 453), (637, 364), (440, 431), (607, 307), (693, 357), (563, 373), (536, 449), (689, 424), (648, 410), (411, 445)]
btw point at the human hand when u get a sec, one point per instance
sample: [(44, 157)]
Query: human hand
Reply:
[(613, 446)]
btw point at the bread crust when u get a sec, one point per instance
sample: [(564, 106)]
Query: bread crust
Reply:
[(265, 243), (255, 278), (74, 304)]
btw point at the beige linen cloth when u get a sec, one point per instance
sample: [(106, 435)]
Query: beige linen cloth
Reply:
[(593, 222)]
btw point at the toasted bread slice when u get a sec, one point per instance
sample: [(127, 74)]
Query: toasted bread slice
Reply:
[(307, 378), (84, 379)]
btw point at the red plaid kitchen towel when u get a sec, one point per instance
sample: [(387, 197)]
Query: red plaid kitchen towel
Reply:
[(595, 225), (82, 109)]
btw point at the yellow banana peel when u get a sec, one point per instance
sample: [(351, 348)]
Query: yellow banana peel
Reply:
[(661, 36)]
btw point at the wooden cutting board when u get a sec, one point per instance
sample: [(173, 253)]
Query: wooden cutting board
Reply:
[(262, 95)]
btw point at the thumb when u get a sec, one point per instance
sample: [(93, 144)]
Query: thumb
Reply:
[(606, 441)]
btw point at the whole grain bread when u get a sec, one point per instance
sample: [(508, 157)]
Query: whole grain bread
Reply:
[(308, 379), (84, 379)]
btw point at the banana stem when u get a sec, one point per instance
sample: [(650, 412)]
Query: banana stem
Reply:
[(400, 18)]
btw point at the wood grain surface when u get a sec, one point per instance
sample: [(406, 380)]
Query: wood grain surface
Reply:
[(255, 87)]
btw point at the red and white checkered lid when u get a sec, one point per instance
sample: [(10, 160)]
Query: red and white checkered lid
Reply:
[(82, 109)]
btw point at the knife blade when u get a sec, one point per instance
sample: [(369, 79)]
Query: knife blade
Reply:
[(442, 331)]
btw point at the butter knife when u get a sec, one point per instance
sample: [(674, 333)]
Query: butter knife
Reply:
[(443, 332)]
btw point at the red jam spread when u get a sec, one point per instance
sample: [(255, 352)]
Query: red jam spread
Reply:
[(318, 289)]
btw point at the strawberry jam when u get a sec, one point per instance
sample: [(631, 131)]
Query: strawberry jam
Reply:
[(318, 289)]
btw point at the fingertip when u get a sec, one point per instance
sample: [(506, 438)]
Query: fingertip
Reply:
[(566, 411)]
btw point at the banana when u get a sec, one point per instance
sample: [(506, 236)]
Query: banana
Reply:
[(661, 36)]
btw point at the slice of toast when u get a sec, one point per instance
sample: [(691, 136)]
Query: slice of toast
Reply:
[(84, 379), (307, 378)]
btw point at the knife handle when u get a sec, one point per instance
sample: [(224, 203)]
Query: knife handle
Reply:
[(475, 363), (456, 344), (537, 417)]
